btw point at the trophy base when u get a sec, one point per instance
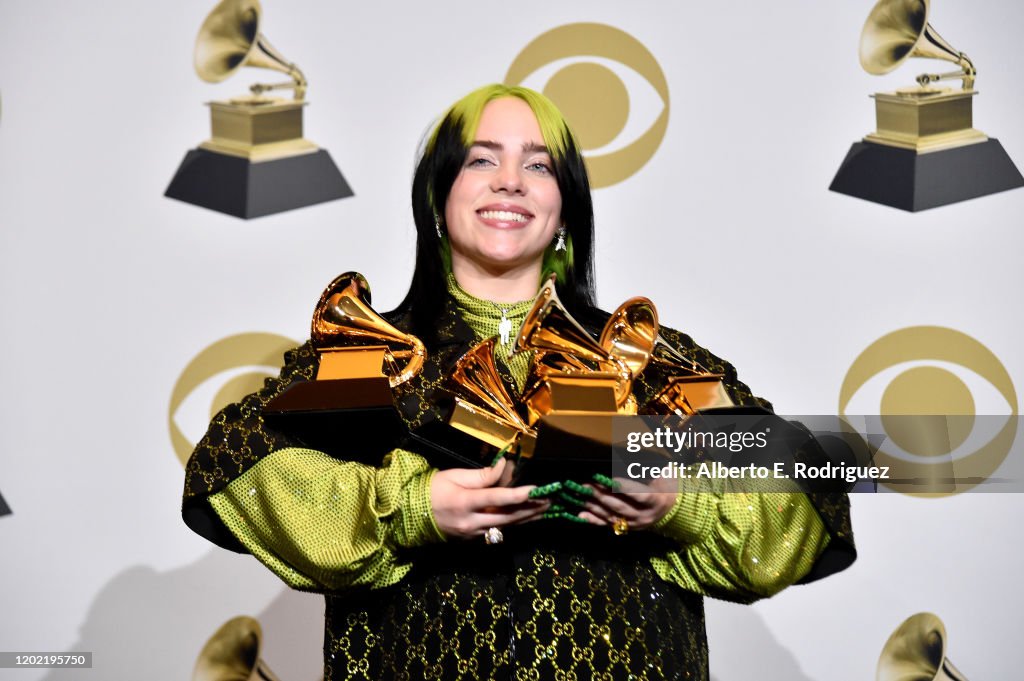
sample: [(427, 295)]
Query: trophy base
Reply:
[(925, 120), (483, 425), (352, 419), (247, 189), (571, 446), (688, 394), (912, 181), (567, 446), (446, 446)]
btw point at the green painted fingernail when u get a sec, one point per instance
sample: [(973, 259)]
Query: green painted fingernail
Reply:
[(579, 489), (606, 481), (545, 490), (500, 454), (568, 498), (551, 515)]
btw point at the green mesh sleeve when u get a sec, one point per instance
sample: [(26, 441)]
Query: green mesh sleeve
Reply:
[(740, 546), (323, 525)]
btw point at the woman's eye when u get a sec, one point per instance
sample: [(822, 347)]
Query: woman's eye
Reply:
[(479, 161), (540, 167)]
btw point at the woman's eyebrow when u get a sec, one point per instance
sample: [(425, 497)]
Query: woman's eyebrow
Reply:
[(528, 147)]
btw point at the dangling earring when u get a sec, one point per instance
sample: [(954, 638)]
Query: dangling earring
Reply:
[(560, 243), (437, 226)]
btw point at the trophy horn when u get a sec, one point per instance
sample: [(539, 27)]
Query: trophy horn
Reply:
[(476, 378), (917, 651), (230, 38), (631, 333), (897, 30), (667, 356), (549, 327), (343, 316), (233, 654)]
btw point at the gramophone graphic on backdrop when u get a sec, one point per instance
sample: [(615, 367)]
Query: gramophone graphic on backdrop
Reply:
[(925, 152), (233, 652), (256, 161), (917, 650)]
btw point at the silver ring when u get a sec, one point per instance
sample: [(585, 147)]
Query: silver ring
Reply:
[(493, 536)]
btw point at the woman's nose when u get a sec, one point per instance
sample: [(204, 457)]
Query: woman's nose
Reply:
[(509, 178)]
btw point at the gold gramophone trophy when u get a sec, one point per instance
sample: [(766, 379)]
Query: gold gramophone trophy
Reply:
[(925, 151), (256, 161), (632, 333), (572, 373), (348, 410), (575, 387), (483, 406)]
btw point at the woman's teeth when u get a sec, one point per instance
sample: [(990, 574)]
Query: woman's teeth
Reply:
[(503, 216)]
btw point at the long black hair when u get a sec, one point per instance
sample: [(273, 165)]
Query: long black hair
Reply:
[(442, 160)]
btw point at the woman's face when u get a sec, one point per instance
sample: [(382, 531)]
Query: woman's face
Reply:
[(504, 206)]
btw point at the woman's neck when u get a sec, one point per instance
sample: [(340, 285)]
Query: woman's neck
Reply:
[(505, 286)]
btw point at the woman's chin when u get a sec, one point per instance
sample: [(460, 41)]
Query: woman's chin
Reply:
[(501, 258), (505, 262)]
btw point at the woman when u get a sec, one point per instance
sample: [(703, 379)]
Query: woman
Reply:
[(500, 199)]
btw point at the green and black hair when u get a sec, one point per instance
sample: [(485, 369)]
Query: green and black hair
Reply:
[(442, 160)]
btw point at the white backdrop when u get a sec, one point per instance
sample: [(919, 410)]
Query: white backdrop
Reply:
[(111, 290)]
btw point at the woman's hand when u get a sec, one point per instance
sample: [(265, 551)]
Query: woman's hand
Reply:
[(640, 505), (468, 501)]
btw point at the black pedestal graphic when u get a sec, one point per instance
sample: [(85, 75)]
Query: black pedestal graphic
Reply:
[(903, 178), (239, 187), (4, 508)]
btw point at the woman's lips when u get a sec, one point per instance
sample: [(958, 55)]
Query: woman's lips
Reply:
[(504, 216)]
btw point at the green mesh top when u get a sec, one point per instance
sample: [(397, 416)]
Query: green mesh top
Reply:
[(495, 319)]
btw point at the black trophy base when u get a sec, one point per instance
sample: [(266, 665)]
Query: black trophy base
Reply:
[(570, 447), (447, 447), (352, 419), (240, 187), (361, 435), (905, 179)]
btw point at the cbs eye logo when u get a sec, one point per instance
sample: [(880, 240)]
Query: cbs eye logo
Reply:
[(948, 408), (611, 100), (222, 373)]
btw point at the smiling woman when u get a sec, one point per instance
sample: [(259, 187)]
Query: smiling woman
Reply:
[(504, 208), (450, 574), (493, 135)]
